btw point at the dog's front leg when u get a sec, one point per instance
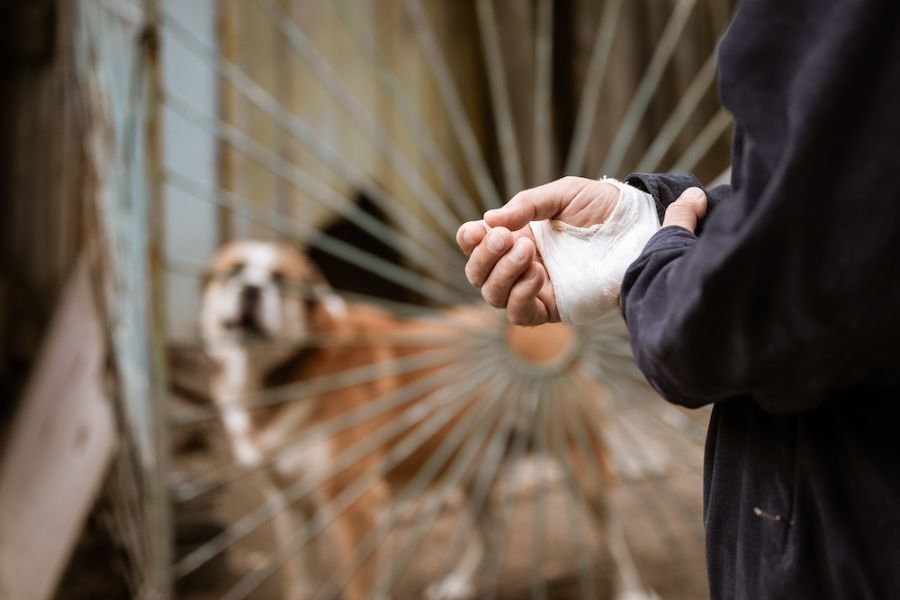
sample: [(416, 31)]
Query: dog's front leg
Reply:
[(350, 528), (299, 570)]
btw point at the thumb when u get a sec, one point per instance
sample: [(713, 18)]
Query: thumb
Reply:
[(687, 210), (536, 204)]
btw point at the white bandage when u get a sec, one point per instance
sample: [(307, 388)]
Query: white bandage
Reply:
[(586, 264)]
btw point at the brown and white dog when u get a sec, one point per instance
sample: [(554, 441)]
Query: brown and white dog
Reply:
[(269, 319)]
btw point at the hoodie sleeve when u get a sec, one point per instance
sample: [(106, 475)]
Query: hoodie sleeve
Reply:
[(793, 287), (667, 187)]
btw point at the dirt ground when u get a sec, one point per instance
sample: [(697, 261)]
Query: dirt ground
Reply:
[(548, 542)]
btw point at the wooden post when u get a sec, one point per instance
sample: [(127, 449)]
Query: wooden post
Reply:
[(226, 33), (60, 444)]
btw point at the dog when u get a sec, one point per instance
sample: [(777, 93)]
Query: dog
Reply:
[(269, 319)]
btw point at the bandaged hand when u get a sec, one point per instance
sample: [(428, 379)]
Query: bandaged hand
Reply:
[(558, 252), (503, 258)]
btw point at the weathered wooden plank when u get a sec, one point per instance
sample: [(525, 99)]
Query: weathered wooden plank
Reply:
[(60, 444)]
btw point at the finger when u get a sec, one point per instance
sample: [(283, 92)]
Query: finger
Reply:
[(485, 255), (547, 296), (470, 235), (524, 307), (696, 199), (536, 204), (506, 272), (687, 210)]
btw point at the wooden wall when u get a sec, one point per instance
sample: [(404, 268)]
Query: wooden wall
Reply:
[(42, 206), (250, 40)]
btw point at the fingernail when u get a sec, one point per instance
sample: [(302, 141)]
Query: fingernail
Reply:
[(469, 236), (518, 251), (495, 241), (693, 192)]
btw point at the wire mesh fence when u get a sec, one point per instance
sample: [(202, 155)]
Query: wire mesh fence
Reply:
[(367, 427)]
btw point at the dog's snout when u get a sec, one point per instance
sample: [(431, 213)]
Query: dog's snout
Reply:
[(252, 292), (250, 295)]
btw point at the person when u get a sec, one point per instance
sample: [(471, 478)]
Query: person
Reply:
[(776, 299)]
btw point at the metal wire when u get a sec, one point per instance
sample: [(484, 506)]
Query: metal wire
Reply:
[(352, 493), (284, 23), (297, 229), (399, 308), (462, 128), (322, 431), (723, 178), (543, 167), (488, 473), (718, 125), (333, 382), (649, 505), (476, 438), (424, 479), (301, 131), (491, 405), (305, 182), (526, 424), (305, 486), (590, 95), (664, 50), (407, 111), (700, 85), (538, 581), (506, 131), (587, 584)]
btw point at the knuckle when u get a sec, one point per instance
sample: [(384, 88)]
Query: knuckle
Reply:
[(517, 315), (520, 309), (505, 272), (570, 183), (515, 319), (491, 296), (496, 243)]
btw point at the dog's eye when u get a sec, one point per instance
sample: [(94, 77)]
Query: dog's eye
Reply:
[(235, 270)]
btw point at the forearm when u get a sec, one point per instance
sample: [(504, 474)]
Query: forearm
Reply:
[(780, 300)]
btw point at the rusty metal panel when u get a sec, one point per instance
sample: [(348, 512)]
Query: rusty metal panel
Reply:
[(117, 66)]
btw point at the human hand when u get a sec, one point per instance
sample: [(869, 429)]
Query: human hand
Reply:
[(687, 210), (503, 259)]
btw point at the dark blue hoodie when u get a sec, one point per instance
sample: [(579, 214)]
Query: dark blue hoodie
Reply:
[(784, 311)]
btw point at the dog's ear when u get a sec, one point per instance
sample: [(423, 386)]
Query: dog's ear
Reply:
[(333, 304), (322, 292)]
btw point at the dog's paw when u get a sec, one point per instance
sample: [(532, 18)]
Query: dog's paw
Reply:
[(450, 588)]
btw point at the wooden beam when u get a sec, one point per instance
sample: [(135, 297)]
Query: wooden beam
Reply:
[(60, 445)]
